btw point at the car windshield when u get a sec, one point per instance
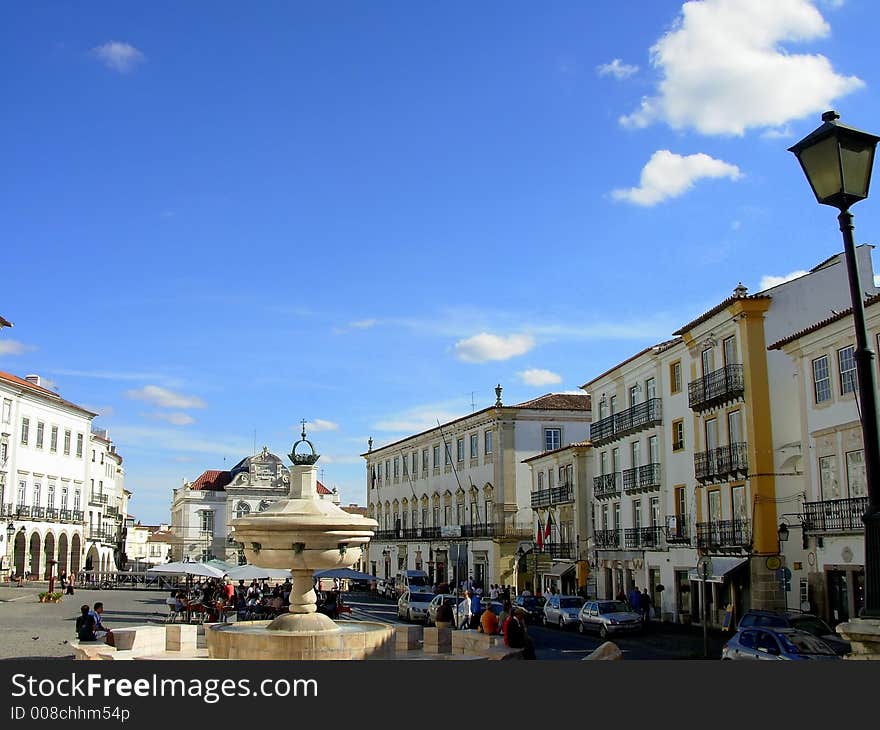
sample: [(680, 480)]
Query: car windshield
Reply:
[(527, 601), (571, 602), (612, 607), (801, 643), (420, 597), (417, 580), (812, 625)]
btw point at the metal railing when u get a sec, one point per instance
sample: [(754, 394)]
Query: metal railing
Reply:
[(476, 530), (23, 511), (562, 494), (7, 510), (724, 534), (51, 513), (644, 538), (635, 418), (99, 499), (112, 511), (607, 539), (38, 513), (719, 386), (679, 533), (641, 477), (606, 485), (560, 551), (717, 464), (835, 515)]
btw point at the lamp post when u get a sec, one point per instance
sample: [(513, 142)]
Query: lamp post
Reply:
[(10, 536), (837, 160)]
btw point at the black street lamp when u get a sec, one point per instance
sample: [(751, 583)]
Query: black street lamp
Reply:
[(837, 160)]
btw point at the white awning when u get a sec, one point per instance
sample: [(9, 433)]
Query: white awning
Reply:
[(721, 567), (557, 570)]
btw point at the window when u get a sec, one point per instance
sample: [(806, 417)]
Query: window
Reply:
[(540, 481), (447, 454), (405, 466), (206, 521), (7, 410), (475, 446), (459, 449), (729, 349), (707, 360), (242, 509), (828, 484), (637, 513), (38, 488), (447, 514), (855, 473), (738, 507), (93, 456), (53, 439), (40, 430), (424, 516), (605, 517), (677, 435), (436, 457), (76, 500), (436, 517), (655, 512), (487, 439), (415, 462), (715, 506), (734, 430), (64, 498), (490, 511), (653, 450), (424, 460), (25, 430), (396, 467), (550, 479), (847, 364), (612, 402), (22, 490), (650, 388), (615, 460), (634, 394), (675, 377), (636, 449), (680, 504), (387, 469), (552, 438), (67, 443), (617, 516), (4, 453), (603, 462), (79, 446)]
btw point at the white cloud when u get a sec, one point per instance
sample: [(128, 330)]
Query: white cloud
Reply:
[(724, 69), (420, 418), (618, 69), (668, 175), (13, 347), (107, 374), (538, 377), (485, 347), (105, 411), (770, 281), (319, 424), (164, 398), (176, 418), (121, 57), (363, 324), (153, 440)]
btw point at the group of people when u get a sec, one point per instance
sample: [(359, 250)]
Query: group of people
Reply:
[(639, 603), (216, 597), (510, 623), (90, 627)]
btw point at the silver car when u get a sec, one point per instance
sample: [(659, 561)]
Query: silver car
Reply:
[(608, 617), (562, 611), (413, 606), (431, 617)]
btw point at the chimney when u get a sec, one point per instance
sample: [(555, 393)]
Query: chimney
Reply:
[(33, 379)]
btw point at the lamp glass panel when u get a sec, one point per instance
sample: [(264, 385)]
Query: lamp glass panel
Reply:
[(821, 164), (857, 157)]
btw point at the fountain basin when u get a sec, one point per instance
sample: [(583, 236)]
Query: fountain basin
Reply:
[(254, 640)]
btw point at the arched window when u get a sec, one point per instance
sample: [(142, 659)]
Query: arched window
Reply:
[(264, 504), (242, 509)]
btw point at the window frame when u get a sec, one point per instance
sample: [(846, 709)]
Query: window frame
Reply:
[(548, 442), (847, 384), (675, 377)]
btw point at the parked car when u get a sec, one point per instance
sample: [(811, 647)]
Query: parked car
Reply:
[(607, 618), (794, 620), (776, 643), (431, 614), (562, 611), (485, 603), (533, 607), (413, 605)]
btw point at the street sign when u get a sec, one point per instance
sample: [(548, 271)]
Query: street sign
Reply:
[(704, 567)]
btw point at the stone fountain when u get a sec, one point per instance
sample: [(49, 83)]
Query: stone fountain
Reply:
[(304, 534)]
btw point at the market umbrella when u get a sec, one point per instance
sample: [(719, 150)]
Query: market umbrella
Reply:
[(342, 573), (202, 570), (221, 564), (252, 572)]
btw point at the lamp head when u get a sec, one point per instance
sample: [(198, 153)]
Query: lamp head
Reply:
[(782, 532)]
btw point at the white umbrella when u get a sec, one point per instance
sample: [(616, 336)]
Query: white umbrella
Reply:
[(186, 568), (251, 572)]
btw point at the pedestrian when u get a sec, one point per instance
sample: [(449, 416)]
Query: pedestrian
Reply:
[(476, 609), (645, 604), (70, 583), (489, 622), (444, 618), (85, 625), (506, 593), (634, 598), (621, 596), (464, 611), (102, 633), (515, 635), (62, 579)]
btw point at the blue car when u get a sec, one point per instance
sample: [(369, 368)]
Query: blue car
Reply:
[(776, 643)]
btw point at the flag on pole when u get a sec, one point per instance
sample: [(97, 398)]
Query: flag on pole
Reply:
[(547, 528), (539, 537)]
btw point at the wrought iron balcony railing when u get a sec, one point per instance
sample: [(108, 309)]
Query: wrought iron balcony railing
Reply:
[(98, 499), (38, 513), (606, 485), (641, 478), (678, 533), (560, 551), (835, 515), (618, 425), (7, 510), (717, 465), (51, 513), (77, 516), (718, 387), (643, 538), (112, 511), (563, 494), (607, 539), (724, 534), (23, 511), (476, 530)]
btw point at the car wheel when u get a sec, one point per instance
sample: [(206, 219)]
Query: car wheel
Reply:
[(603, 632)]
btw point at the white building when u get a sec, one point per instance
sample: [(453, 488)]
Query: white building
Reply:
[(146, 545), (106, 505), (202, 511), (826, 549), (455, 500)]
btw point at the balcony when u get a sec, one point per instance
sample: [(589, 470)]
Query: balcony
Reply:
[(678, 534), (96, 535), (717, 388), (51, 513), (724, 534), (835, 515), (607, 539), (38, 513), (23, 511), (563, 494), (560, 551), (643, 538), (7, 510), (98, 499), (616, 426), (112, 511), (77, 516), (476, 530), (721, 464), (606, 485), (641, 478)]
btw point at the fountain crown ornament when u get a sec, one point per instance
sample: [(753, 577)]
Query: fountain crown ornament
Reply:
[(304, 459)]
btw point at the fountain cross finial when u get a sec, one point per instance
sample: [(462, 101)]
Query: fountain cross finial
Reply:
[(304, 427)]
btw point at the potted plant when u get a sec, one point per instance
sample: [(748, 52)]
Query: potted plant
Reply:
[(53, 597)]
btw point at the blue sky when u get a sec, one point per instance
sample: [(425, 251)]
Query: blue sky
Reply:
[(219, 220)]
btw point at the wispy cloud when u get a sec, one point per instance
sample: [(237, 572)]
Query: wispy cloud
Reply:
[(107, 374), (769, 280), (103, 411), (164, 398), (669, 175), (14, 347), (485, 347), (319, 424), (176, 418), (421, 417), (538, 377), (618, 69), (118, 56), (156, 440), (724, 70)]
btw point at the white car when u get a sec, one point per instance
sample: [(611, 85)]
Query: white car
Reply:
[(413, 606), (562, 611)]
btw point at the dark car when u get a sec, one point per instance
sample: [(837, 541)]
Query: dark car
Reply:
[(768, 642), (533, 607), (794, 620)]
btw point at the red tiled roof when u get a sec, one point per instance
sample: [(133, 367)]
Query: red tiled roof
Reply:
[(40, 390), (716, 309), (779, 344), (161, 536), (213, 479), (558, 401), (322, 489), (5, 322)]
